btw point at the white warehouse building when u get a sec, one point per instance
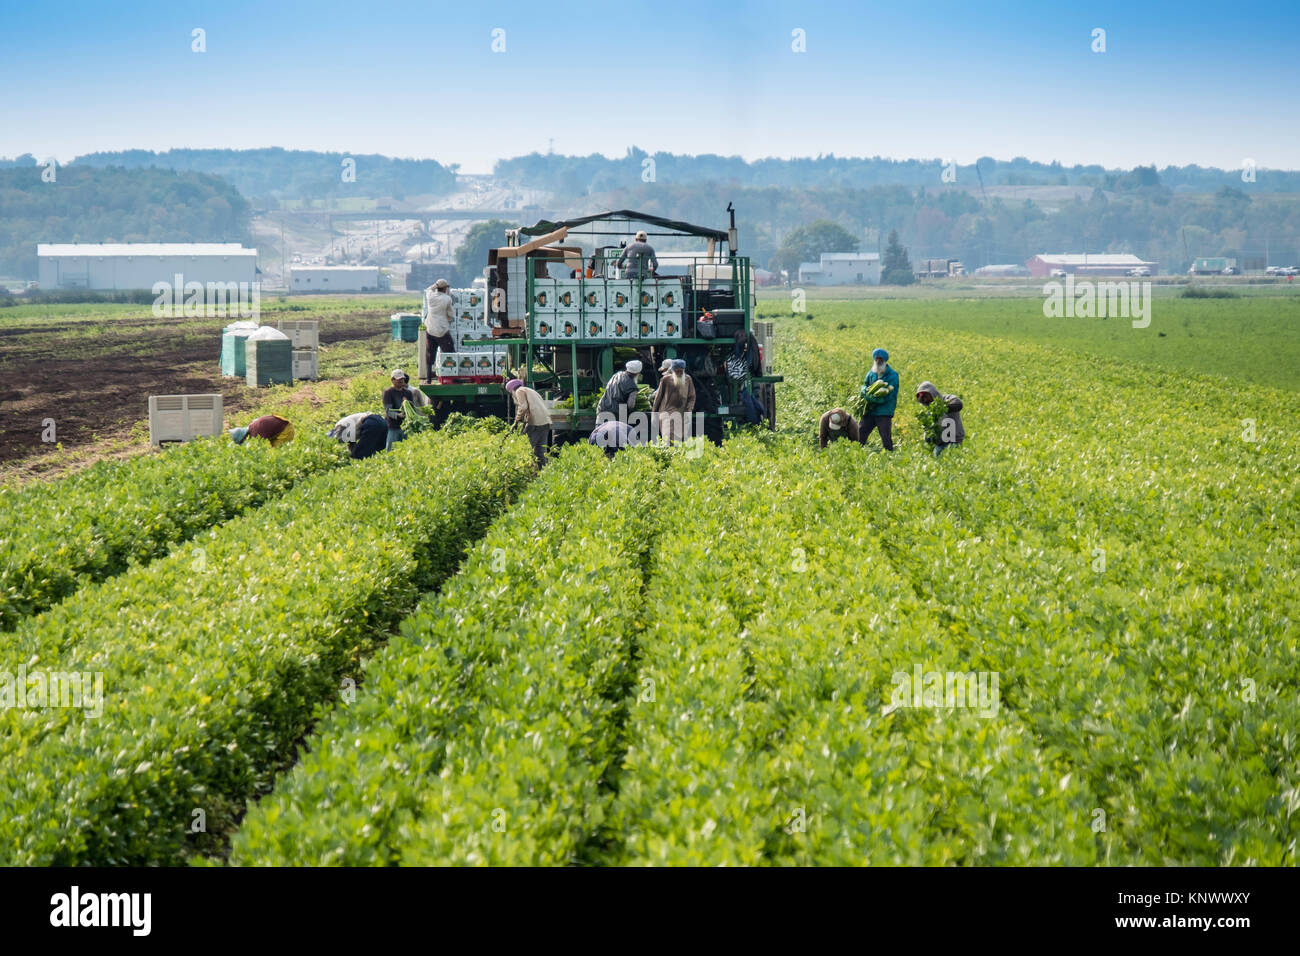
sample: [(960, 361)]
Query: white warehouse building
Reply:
[(139, 265), (337, 279), (842, 268)]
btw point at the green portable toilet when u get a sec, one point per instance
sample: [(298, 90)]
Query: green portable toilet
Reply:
[(269, 357), (233, 339), (405, 326)]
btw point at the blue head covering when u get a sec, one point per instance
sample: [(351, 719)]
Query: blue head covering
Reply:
[(679, 363), (880, 354), (239, 434)]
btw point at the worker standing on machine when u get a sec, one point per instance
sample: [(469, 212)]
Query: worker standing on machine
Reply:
[(439, 313), (641, 255)]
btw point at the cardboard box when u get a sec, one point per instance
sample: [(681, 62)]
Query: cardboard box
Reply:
[(620, 325), (669, 295), (448, 364), (543, 296), (568, 326), (568, 295), (618, 295), (544, 327), (594, 326), (668, 325), (647, 326), (593, 296), (647, 296)]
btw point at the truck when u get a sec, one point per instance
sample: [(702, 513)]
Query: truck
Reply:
[(560, 315), (1212, 266), (929, 268)]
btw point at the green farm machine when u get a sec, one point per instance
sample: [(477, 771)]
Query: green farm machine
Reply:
[(558, 313)]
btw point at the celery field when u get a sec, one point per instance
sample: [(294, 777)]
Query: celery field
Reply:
[(693, 657)]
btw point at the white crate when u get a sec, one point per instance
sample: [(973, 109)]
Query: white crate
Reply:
[(568, 326), (467, 363), (669, 295), (618, 295), (305, 363), (620, 325), (594, 325), (668, 325), (485, 363), (593, 295), (303, 333), (646, 325), (501, 363), (183, 417), (568, 295)]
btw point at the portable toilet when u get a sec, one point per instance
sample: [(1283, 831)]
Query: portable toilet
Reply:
[(233, 339), (269, 357)]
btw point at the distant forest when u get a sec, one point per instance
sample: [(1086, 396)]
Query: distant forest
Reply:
[(266, 175), (576, 175), (112, 205)]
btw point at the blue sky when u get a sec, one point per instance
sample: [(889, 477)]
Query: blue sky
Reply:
[(1207, 83)]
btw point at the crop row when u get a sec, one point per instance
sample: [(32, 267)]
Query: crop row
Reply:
[(215, 660), (486, 727), (57, 536)]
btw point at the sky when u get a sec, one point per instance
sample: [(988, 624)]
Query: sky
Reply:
[(1177, 83)]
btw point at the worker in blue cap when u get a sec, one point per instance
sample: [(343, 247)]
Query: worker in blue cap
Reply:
[(880, 415)]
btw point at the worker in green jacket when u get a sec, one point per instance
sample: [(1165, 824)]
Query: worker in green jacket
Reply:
[(881, 415)]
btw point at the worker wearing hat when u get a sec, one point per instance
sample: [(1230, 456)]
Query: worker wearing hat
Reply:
[(394, 399), (837, 424), (439, 314), (618, 401), (641, 256), (880, 415), (276, 430), (533, 416)]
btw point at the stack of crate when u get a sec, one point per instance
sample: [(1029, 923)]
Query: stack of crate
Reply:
[(304, 336), (470, 324)]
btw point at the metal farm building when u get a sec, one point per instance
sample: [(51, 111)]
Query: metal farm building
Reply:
[(138, 265), (336, 279), (1102, 264)]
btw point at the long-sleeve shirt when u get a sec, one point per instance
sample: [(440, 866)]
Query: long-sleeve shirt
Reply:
[(439, 312), (621, 392), (848, 428), (393, 399), (642, 258), (530, 408), (669, 399)]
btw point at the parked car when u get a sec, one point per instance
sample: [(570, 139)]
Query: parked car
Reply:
[(1058, 274), (1139, 272), (1231, 271)]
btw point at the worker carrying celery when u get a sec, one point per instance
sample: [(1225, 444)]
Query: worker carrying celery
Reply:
[(940, 418), (879, 401)]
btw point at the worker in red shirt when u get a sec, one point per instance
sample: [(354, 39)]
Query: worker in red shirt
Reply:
[(276, 430)]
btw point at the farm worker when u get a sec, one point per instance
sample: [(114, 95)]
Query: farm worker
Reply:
[(619, 400), (276, 430), (533, 416), (641, 255), (363, 432), (439, 313), (675, 400), (394, 397), (951, 429), (880, 416), (837, 424), (613, 436)]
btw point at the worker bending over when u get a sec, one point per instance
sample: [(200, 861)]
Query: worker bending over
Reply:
[(364, 433), (837, 424), (533, 416), (276, 430), (619, 398)]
